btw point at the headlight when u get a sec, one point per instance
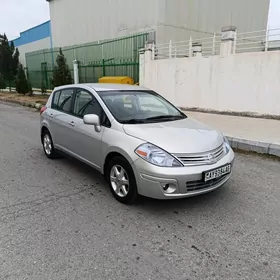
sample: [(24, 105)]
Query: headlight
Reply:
[(226, 145), (156, 156)]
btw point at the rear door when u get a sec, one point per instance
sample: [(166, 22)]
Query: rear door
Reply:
[(61, 117)]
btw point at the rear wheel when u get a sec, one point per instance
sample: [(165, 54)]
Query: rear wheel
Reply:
[(121, 179), (48, 147)]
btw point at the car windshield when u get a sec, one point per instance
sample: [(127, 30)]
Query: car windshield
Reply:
[(135, 107)]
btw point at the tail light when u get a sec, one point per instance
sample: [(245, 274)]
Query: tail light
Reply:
[(43, 109)]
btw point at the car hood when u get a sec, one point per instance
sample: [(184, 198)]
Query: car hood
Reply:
[(177, 137)]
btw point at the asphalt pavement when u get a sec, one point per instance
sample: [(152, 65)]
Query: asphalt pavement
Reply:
[(58, 220)]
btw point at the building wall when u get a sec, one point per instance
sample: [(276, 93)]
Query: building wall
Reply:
[(202, 18), (94, 20), (247, 82), (33, 46), (33, 39)]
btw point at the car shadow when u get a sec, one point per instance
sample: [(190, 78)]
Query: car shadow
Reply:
[(83, 169)]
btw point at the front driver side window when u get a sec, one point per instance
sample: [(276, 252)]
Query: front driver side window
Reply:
[(85, 104)]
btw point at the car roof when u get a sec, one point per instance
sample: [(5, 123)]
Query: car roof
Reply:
[(104, 87)]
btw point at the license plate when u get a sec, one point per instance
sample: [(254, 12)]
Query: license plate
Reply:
[(217, 173)]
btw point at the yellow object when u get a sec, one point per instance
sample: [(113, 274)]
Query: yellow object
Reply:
[(116, 80)]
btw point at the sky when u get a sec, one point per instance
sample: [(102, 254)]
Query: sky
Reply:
[(19, 15), (274, 14)]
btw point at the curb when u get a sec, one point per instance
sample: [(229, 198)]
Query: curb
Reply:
[(254, 146), (48, 91), (37, 106)]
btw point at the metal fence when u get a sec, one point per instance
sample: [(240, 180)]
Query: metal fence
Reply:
[(103, 58), (209, 46), (111, 67), (256, 41)]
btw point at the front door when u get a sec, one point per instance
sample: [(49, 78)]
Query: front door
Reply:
[(85, 140)]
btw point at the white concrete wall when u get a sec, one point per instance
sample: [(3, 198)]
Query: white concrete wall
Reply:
[(31, 47), (247, 82)]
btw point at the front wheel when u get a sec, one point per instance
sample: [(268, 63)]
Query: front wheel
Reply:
[(121, 179)]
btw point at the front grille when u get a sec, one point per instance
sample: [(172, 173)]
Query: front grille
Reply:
[(201, 185), (210, 157)]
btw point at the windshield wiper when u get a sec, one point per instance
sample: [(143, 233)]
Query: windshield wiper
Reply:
[(162, 117), (132, 121)]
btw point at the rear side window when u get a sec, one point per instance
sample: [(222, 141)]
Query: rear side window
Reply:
[(55, 99), (62, 100)]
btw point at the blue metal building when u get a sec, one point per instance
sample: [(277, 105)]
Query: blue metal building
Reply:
[(34, 39)]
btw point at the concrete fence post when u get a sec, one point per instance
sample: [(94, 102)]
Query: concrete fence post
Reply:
[(142, 67), (149, 51), (228, 40), (197, 49), (190, 47), (76, 71), (170, 49), (214, 44), (234, 43), (145, 58), (266, 40), (153, 51)]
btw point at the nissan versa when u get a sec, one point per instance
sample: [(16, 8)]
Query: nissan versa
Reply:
[(140, 142)]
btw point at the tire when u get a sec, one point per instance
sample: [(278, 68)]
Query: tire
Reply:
[(121, 180), (48, 146)]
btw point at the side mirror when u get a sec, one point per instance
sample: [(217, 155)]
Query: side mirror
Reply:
[(92, 119)]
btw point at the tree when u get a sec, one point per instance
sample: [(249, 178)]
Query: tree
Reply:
[(30, 88), (2, 82), (22, 85), (61, 72), (9, 60), (43, 89)]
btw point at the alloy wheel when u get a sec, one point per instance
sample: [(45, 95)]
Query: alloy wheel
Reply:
[(47, 144), (119, 180)]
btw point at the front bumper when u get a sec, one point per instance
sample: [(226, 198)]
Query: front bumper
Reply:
[(152, 179)]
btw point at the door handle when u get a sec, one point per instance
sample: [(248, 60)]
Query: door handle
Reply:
[(51, 116), (72, 123)]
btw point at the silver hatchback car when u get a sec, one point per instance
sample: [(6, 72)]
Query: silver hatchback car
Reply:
[(140, 142)]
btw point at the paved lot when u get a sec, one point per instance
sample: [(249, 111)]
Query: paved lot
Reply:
[(59, 221)]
